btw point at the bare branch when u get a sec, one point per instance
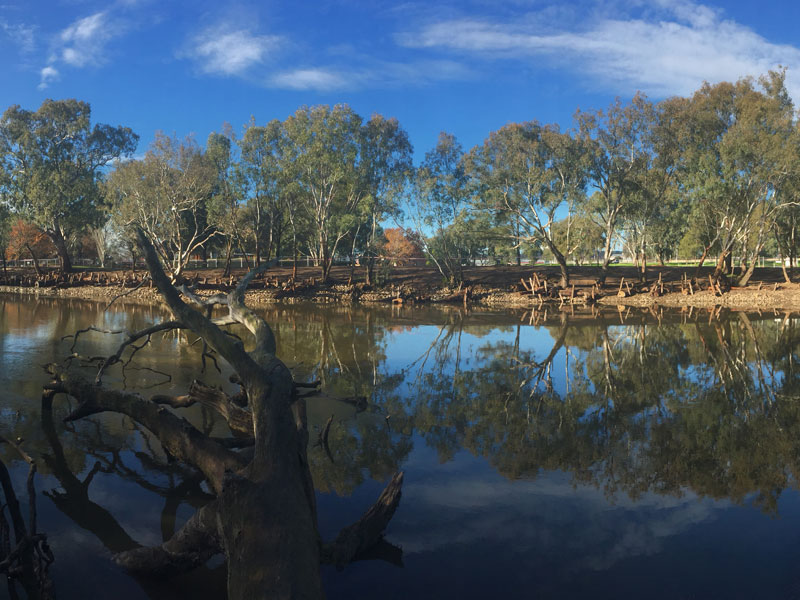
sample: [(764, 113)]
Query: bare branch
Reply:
[(228, 348), (238, 418), (178, 437), (368, 530), (196, 542)]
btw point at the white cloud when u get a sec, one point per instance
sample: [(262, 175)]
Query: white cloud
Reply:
[(21, 35), (309, 79), (231, 52), (363, 72), (83, 43), (47, 75), (670, 49)]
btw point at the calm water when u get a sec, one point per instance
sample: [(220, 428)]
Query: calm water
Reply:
[(627, 456)]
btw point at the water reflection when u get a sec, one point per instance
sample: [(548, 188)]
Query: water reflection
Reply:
[(670, 416)]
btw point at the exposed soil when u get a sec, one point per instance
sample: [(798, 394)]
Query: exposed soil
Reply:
[(499, 286)]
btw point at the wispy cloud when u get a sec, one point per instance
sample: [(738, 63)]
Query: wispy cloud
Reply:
[(224, 51), (84, 40), (667, 48), (21, 35), (310, 79), (82, 43), (360, 72)]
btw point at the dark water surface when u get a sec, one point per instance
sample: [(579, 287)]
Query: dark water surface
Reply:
[(622, 457)]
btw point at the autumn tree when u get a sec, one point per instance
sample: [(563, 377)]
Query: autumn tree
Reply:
[(25, 239), (51, 163), (401, 245)]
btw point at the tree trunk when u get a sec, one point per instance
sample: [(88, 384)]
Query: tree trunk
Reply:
[(606, 259), (264, 516), (228, 254), (61, 248), (745, 278), (782, 257), (294, 256), (702, 260), (643, 272), (36, 266), (562, 263), (721, 267)]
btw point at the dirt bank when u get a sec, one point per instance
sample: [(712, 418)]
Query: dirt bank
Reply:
[(502, 286)]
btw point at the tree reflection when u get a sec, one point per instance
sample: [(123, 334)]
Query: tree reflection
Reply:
[(708, 406), (631, 403)]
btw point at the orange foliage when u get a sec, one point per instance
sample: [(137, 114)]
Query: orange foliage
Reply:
[(24, 235), (400, 246)]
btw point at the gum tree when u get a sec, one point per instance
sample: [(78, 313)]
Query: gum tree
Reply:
[(322, 159), (51, 163), (741, 155), (614, 142), (166, 195), (441, 204), (529, 171)]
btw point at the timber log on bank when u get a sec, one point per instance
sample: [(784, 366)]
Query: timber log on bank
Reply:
[(502, 286)]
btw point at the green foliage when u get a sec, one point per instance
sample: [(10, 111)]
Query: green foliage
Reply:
[(579, 237), (524, 173), (618, 149), (441, 204), (51, 163), (167, 195), (739, 160)]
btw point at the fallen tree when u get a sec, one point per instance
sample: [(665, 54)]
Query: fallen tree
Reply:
[(263, 517)]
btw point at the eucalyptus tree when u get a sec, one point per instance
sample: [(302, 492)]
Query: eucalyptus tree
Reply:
[(440, 203), (741, 152), (654, 197), (615, 146), (265, 182), (386, 167), (322, 158), (578, 237), (530, 171), (166, 195), (225, 204), (787, 238), (51, 163)]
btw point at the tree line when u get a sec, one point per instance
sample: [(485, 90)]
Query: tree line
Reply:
[(715, 174)]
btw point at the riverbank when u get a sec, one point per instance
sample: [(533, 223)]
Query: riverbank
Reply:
[(502, 286)]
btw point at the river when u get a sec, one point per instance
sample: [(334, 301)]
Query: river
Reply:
[(630, 455)]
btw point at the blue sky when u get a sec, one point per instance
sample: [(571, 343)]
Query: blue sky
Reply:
[(465, 67)]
